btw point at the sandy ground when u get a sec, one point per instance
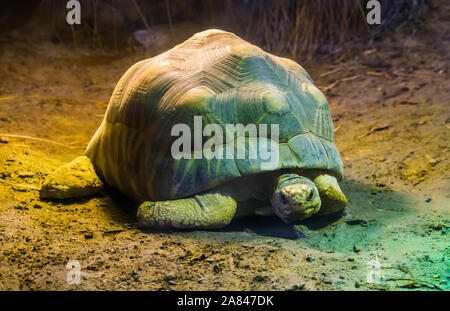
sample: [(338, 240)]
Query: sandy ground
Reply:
[(390, 105)]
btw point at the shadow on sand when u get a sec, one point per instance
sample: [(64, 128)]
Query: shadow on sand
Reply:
[(359, 194)]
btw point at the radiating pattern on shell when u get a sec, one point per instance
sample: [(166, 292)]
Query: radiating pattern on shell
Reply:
[(226, 80)]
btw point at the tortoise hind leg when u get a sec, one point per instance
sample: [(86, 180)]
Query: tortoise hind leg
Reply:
[(331, 195), (75, 179), (204, 211)]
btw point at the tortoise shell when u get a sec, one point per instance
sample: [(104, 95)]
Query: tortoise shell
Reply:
[(225, 80)]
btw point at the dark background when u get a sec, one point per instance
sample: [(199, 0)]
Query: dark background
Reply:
[(299, 29)]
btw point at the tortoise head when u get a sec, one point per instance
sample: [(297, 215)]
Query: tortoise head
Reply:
[(295, 198)]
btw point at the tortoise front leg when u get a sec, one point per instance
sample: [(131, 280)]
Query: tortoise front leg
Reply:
[(204, 211), (331, 195), (73, 180)]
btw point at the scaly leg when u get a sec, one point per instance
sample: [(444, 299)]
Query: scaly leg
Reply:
[(203, 211)]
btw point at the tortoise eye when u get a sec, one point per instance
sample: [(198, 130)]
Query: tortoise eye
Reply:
[(283, 198), (311, 195)]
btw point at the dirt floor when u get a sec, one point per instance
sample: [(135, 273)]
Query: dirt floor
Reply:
[(390, 104)]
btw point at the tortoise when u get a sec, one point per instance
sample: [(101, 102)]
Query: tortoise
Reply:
[(225, 80)]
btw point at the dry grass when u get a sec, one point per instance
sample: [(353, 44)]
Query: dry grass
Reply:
[(299, 29)]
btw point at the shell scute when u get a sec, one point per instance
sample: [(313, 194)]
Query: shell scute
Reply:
[(226, 81)]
